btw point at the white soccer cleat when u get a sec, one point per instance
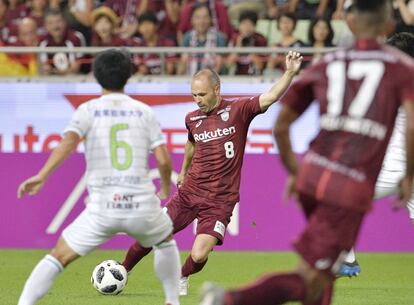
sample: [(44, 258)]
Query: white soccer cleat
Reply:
[(183, 288)]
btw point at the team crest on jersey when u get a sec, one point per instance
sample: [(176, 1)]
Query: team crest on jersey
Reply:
[(198, 123), (225, 116)]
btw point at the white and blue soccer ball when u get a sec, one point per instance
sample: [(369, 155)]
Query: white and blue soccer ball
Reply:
[(109, 277)]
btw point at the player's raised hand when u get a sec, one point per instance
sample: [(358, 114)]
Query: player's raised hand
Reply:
[(293, 61), (30, 186), (405, 193)]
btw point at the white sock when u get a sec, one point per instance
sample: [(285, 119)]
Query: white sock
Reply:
[(167, 266), (350, 258), (40, 280)]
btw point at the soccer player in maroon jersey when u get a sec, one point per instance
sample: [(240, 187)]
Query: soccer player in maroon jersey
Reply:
[(209, 180), (359, 92)]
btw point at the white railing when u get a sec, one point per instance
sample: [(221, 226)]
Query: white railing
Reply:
[(165, 50)]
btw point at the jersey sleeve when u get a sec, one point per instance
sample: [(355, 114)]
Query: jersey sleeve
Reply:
[(249, 107), (300, 94), (189, 134), (156, 136), (80, 122)]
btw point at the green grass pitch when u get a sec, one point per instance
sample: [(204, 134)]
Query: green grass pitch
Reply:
[(386, 279)]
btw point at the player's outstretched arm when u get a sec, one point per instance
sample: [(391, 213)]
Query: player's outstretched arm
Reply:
[(282, 136), (188, 158), (293, 63), (165, 167), (33, 185), (407, 181)]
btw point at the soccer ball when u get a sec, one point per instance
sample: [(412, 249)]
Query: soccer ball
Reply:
[(109, 277)]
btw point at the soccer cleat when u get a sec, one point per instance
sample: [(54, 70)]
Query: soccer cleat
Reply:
[(349, 269), (212, 294), (183, 288)]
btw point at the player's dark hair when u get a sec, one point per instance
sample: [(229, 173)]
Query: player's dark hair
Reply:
[(290, 16), (369, 5), (112, 68), (248, 15), (403, 41), (329, 37), (148, 16)]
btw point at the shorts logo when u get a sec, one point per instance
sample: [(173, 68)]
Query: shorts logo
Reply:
[(198, 123), (219, 228), (323, 263)]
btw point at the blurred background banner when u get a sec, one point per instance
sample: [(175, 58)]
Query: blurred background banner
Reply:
[(33, 115)]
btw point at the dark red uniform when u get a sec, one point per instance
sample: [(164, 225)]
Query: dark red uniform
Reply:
[(359, 92), (211, 187)]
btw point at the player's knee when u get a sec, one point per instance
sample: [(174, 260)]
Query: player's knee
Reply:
[(61, 256), (199, 255)]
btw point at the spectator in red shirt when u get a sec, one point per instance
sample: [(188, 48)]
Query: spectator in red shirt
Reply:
[(167, 12), (34, 9), (127, 10), (220, 19), (151, 63), (58, 35), (104, 23), (247, 64)]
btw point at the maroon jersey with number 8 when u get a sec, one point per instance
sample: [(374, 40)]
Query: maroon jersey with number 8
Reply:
[(219, 138)]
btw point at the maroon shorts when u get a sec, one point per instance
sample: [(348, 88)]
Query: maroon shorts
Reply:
[(213, 216), (330, 233)]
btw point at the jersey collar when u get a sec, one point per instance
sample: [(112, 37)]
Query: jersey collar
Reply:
[(367, 44), (219, 106)]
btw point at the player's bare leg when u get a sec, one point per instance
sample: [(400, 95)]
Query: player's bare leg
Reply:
[(46, 271), (198, 257), (308, 285)]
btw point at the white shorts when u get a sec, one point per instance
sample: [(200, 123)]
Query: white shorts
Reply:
[(89, 229), (388, 184)]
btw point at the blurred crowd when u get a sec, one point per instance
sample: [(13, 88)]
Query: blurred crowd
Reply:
[(168, 23)]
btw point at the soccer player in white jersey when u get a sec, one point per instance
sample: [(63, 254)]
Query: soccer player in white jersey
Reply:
[(393, 166), (120, 133)]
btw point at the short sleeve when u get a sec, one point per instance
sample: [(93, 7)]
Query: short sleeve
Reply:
[(248, 107), (80, 122), (156, 136), (300, 94), (189, 134)]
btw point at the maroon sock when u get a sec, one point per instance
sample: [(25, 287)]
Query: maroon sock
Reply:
[(191, 267), (270, 290), (135, 253), (326, 297)]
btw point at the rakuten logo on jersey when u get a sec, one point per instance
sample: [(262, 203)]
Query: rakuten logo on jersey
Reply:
[(219, 133)]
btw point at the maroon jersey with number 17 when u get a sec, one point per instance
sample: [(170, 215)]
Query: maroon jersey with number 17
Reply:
[(359, 92), (219, 140)]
